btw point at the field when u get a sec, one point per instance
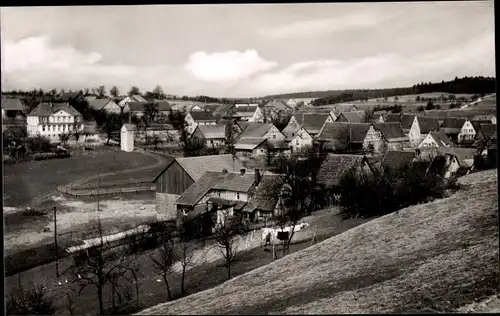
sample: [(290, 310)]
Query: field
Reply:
[(207, 273), (434, 257), (28, 183)]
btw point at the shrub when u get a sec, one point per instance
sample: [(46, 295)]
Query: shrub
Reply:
[(32, 301), (420, 108)]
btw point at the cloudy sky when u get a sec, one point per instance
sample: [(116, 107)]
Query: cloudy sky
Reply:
[(246, 50)]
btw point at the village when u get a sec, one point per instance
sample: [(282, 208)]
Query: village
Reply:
[(314, 158)]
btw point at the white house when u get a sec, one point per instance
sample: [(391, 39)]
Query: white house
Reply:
[(107, 105), (249, 114), (435, 139), (53, 119), (469, 130), (301, 140), (129, 99), (195, 118), (127, 137)]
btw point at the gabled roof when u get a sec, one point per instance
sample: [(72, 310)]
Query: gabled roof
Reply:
[(256, 130), (334, 130), (129, 127), (222, 110), (440, 138), (290, 129), (391, 131), (162, 106), (138, 98), (311, 122), (98, 104), (248, 143), (453, 122), (9, 104), (339, 108), (427, 124), (488, 130), (202, 116), (196, 166), (266, 194), (406, 120), (334, 166), (353, 117), (46, 109), (245, 111), (465, 156), (211, 107), (216, 181), (217, 131), (396, 159), (477, 124), (277, 104)]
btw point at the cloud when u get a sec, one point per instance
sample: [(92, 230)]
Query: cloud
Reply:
[(309, 28), (35, 62), (476, 57), (226, 66)]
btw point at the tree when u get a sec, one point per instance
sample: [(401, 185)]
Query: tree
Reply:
[(177, 119), (151, 111), (133, 91), (64, 137), (163, 259), (420, 108), (111, 125), (225, 233), (430, 105), (86, 91), (156, 141), (396, 98), (114, 92), (184, 253), (158, 93), (32, 301), (101, 91)]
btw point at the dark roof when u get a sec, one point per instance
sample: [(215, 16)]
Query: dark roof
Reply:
[(427, 124), (333, 130), (396, 159), (311, 122), (45, 109), (202, 116), (437, 165), (464, 155), (243, 125), (405, 119), (238, 205), (245, 110), (488, 130), (211, 107), (218, 181), (249, 143), (477, 124), (162, 106), (453, 122), (277, 104), (391, 131), (266, 194), (334, 166), (213, 131), (290, 129), (98, 104), (196, 166), (222, 110), (9, 104), (339, 108), (256, 130), (353, 117)]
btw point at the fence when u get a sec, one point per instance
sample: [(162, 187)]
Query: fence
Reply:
[(115, 184), (105, 191)]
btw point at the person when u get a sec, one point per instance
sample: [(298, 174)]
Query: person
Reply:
[(268, 239)]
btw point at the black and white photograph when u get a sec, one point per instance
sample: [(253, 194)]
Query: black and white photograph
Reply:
[(250, 158)]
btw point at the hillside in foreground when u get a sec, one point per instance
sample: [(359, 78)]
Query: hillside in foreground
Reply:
[(436, 257)]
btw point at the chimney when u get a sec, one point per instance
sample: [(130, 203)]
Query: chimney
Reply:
[(242, 172), (257, 177)]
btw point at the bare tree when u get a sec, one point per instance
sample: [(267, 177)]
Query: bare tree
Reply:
[(163, 259), (184, 253), (64, 137), (226, 232), (31, 301), (101, 91), (114, 92), (156, 141), (191, 146)]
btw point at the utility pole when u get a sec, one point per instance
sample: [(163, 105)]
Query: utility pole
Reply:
[(55, 242)]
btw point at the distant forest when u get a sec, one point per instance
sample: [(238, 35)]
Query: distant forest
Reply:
[(468, 85)]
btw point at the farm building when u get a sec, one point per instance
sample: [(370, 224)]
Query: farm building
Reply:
[(12, 108), (105, 104), (452, 126), (212, 135), (53, 119), (338, 136), (352, 117), (124, 103), (224, 111), (464, 156), (486, 131), (396, 159), (374, 142), (341, 108), (251, 148), (139, 108), (395, 138), (376, 118), (301, 140), (181, 173), (262, 130), (311, 122), (264, 203), (127, 137), (415, 127), (195, 118), (249, 114), (469, 130), (436, 139), (216, 195)]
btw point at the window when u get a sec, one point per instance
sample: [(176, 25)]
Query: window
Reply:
[(237, 195), (43, 128), (297, 142), (218, 193), (274, 136)]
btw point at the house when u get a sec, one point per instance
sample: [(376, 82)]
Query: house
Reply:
[(53, 119), (373, 142), (469, 130), (436, 139), (393, 134), (127, 137), (272, 108), (341, 108), (311, 122), (106, 104), (251, 148), (396, 159), (180, 173), (452, 127), (124, 103), (209, 107), (212, 135), (301, 140), (249, 114), (487, 117), (352, 117), (262, 130), (217, 194), (264, 203), (486, 131), (376, 118), (139, 108), (335, 166), (415, 127), (339, 136), (90, 97), (224, 111), (406, 120), (12, 108), (195, 118), (464, 157)]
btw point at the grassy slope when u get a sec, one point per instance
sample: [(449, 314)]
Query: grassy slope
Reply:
[(436, 256), (26, 181)]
